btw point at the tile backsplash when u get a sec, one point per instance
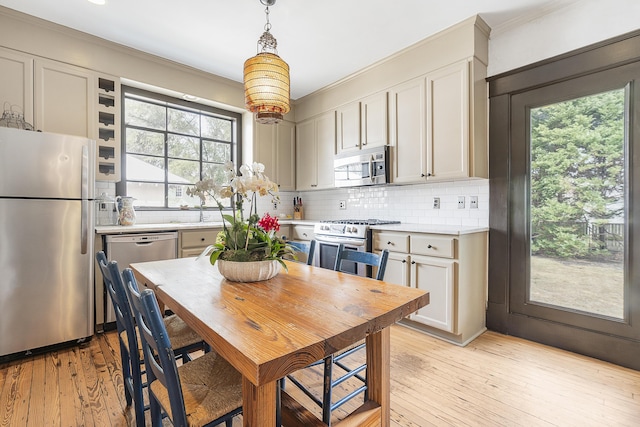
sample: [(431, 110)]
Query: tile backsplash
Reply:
[(405, 203)]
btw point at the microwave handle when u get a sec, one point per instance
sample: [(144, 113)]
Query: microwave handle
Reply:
[(371, 171)]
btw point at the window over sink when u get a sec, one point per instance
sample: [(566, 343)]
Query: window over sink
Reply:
[(169, 144)]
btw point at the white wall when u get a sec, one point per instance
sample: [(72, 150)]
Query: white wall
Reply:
[(584, 22)]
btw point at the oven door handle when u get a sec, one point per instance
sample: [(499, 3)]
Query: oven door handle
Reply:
[(338, 239)]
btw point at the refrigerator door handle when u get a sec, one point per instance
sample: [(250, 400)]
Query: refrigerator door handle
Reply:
[(84, 193)]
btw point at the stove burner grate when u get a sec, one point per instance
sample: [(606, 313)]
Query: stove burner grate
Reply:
[(362, 221)]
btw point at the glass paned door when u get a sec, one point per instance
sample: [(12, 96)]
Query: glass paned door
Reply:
[(578, 204), (572, 206)]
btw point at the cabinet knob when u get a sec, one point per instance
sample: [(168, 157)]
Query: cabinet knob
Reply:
[(429, 246), (390, 243), (413, 262), (422, 175), (404, 261), (202, 239), (304, 234)]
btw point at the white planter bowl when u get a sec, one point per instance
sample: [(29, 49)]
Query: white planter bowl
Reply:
[(253, 271)]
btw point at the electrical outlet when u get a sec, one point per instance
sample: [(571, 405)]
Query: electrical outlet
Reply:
[(473, 202), (460, 202), (343, 204), (436, 203)]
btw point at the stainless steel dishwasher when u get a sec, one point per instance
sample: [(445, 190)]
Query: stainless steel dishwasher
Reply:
[(129, 248)]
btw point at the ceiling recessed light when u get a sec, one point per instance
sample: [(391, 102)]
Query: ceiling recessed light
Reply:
[(100, 2)]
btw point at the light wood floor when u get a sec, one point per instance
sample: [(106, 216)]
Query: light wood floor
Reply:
[(495, 381)]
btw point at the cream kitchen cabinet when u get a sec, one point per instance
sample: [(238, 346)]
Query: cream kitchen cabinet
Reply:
[(452, 268), (362, 124), (348, 128), (65, 99), (302, 232), (275, 147), (407, 131), (193, 242), (61, 98), (16, 83), (285, 231), (374, 119), (315, 150), (438, 125)]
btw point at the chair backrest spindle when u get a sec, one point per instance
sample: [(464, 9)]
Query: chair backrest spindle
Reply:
[(368, 258)]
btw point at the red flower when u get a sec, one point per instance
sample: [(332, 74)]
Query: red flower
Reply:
[(268, 223)]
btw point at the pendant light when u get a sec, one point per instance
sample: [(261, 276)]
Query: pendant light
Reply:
[(266, 78)]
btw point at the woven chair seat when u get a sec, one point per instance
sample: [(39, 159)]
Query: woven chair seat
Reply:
[(180, 335), (211, 387)]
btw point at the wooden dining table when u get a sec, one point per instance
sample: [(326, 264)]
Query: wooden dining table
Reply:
[(270, 329)]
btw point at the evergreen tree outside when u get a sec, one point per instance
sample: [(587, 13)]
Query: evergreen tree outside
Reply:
[(577, 174)]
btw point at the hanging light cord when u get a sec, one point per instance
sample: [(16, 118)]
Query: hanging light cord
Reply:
[(266, 42), (267, 26)]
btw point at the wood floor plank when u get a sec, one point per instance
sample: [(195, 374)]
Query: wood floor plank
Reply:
[(75, 409), (52, 389), (14, 400), (103, 360), (99, 409), (37, 393), (495, 381)]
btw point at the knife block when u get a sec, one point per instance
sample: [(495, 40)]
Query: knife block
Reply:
[(298, 213)]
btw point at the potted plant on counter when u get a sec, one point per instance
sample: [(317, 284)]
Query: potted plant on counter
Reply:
[(247, 249)]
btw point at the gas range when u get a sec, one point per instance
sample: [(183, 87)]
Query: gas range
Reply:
[(348, 228)]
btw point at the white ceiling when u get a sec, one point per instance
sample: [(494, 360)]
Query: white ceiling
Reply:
[(323, 41)]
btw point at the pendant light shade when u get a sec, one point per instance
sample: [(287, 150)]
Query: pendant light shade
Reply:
[(266, 79), (266, 87)]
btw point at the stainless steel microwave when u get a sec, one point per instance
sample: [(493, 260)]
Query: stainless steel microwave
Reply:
[(367, 167)]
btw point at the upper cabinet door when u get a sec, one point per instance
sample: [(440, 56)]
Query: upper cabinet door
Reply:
[(274, 147), (407, 131), (348, 128), (65, 97), (325, 149), (16, 84), (306, 161), (264, 147), (448, 122), (286, 156), (373, 120)]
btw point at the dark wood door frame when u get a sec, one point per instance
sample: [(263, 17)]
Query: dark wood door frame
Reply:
[(589, 60)]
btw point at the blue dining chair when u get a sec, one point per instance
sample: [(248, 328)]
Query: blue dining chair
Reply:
[(306, 248), (379, 262), (204, 392), (183, 337)]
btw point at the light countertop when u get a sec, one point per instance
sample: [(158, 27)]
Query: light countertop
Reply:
[(177, 226), (455, 230)]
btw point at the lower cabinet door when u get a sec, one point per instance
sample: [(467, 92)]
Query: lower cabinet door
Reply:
[(397, 271), (437, 276)]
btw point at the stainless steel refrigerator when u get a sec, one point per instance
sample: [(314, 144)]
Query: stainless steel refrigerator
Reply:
[(46, 239)]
